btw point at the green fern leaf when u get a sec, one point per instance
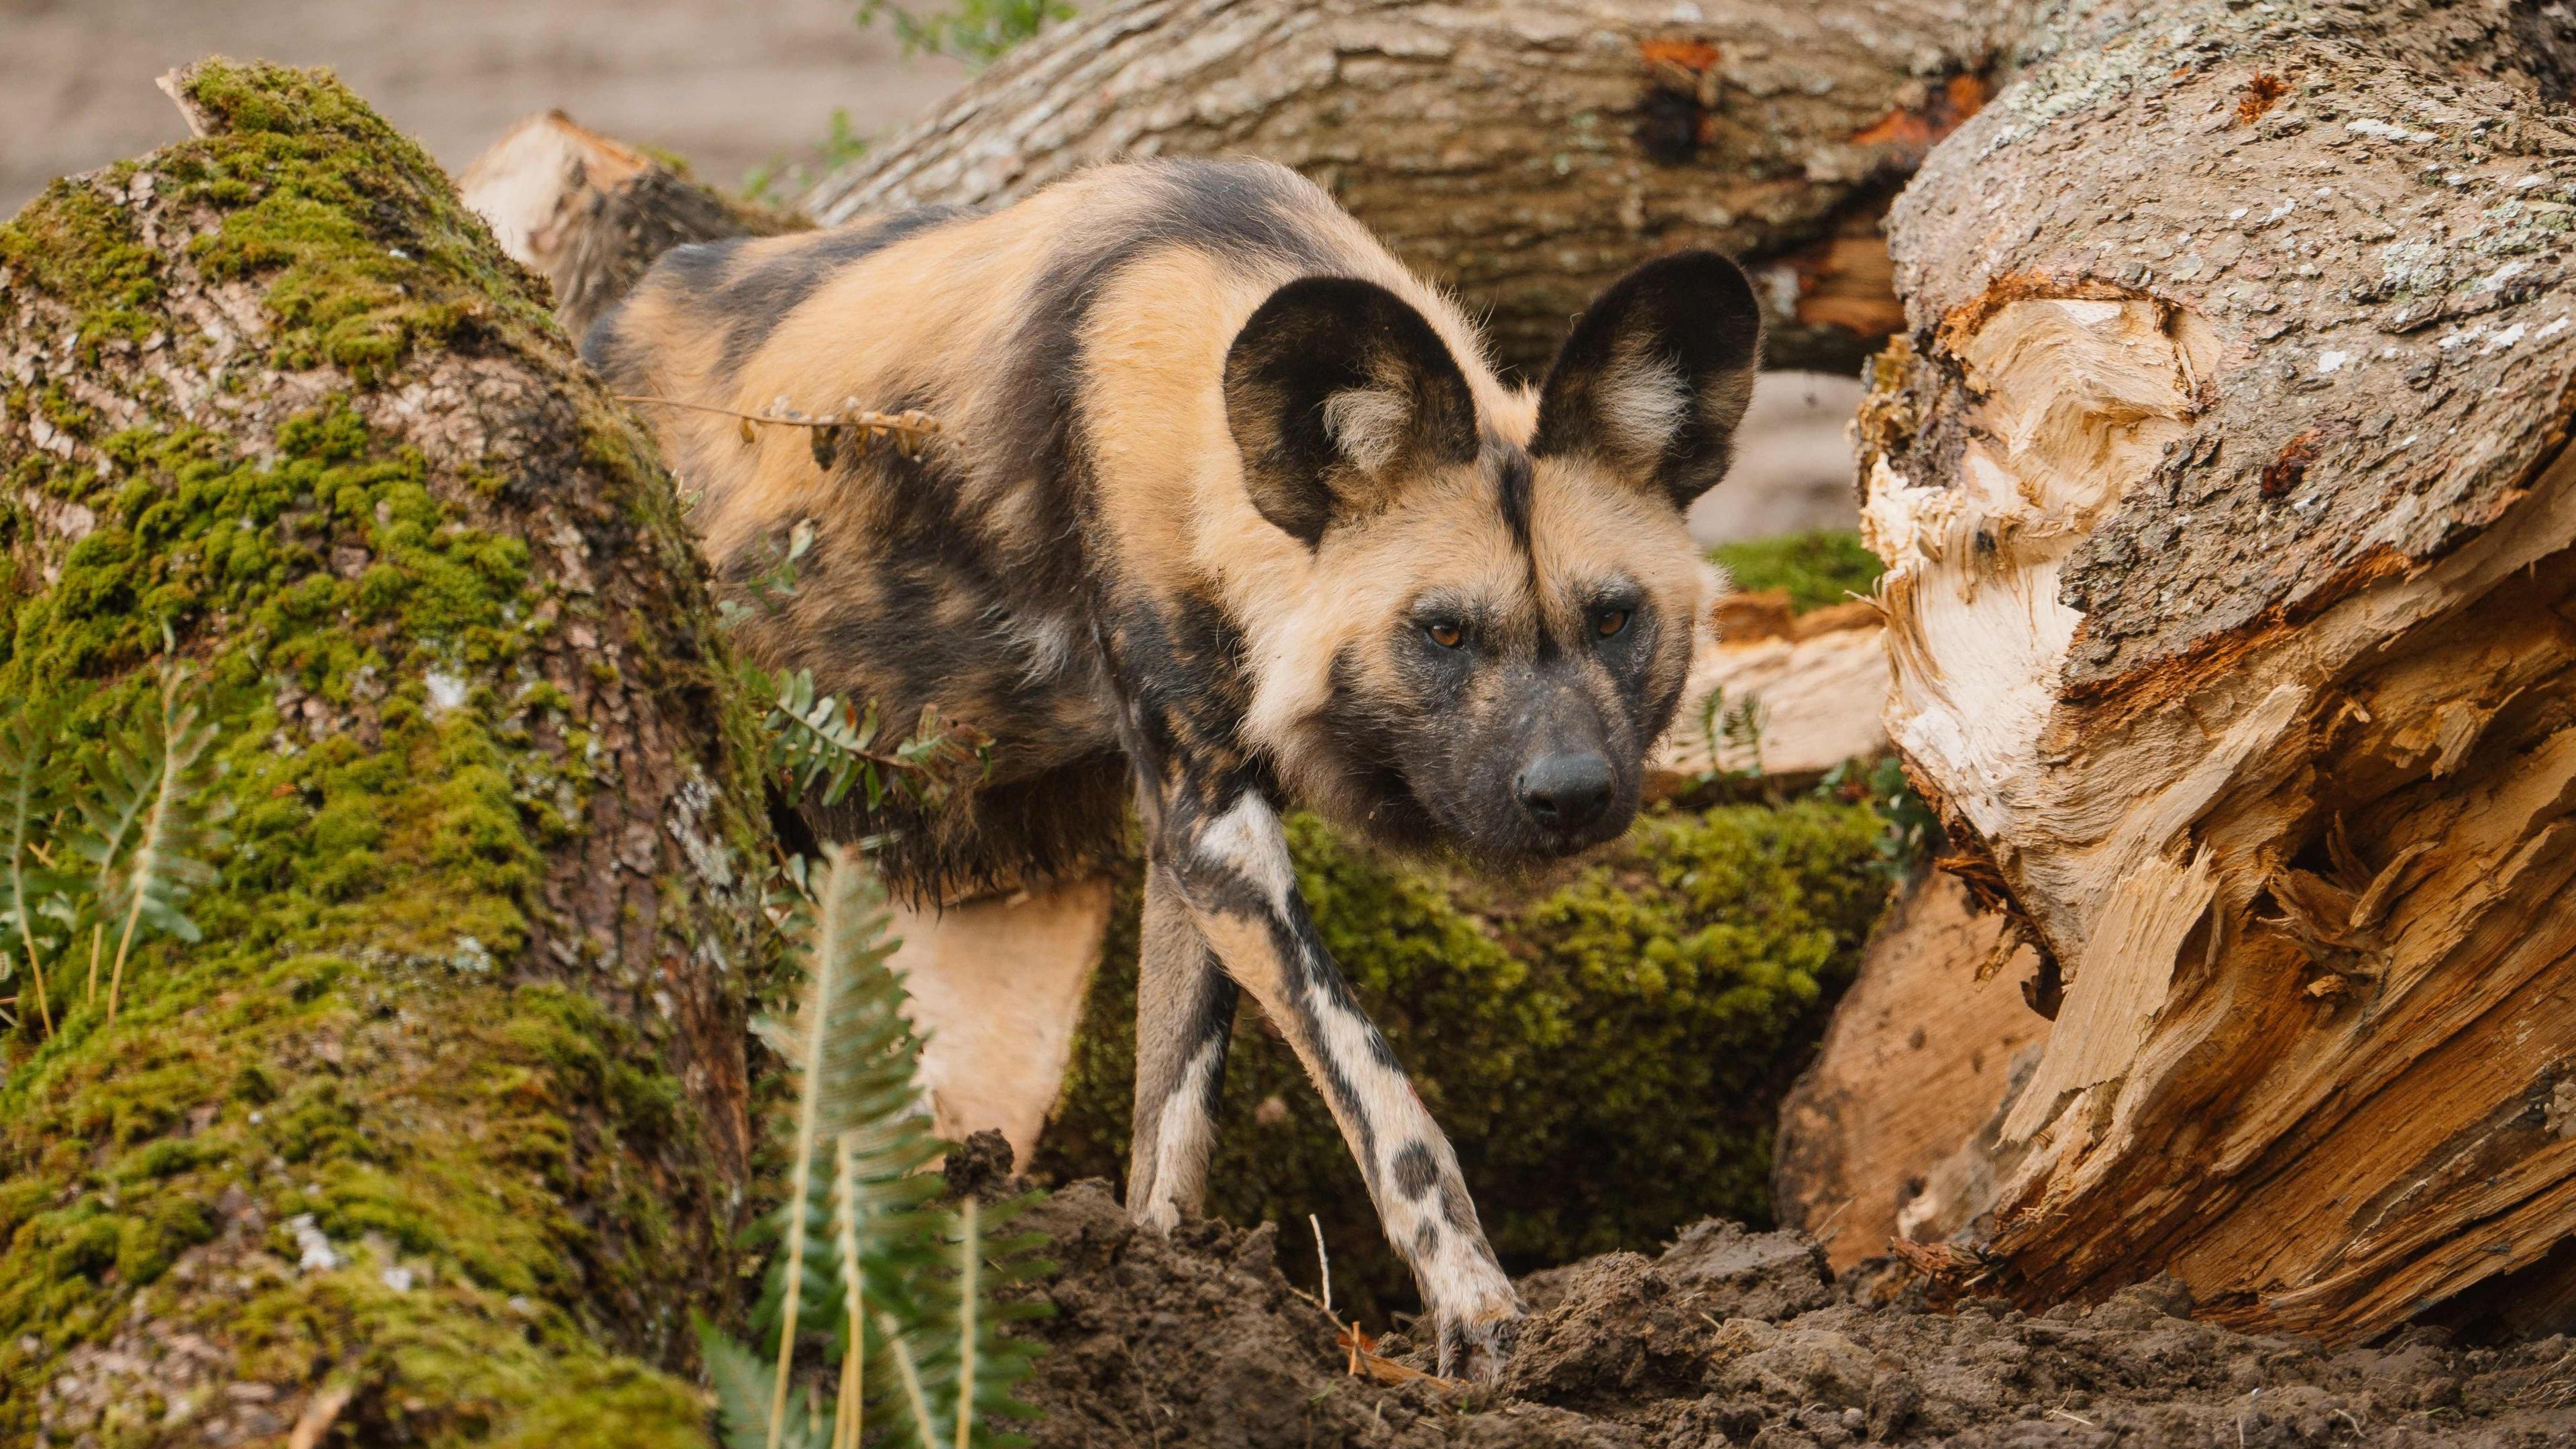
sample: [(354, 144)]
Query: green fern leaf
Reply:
[(952, 1342), (150, 794), (852, 1054), (32, 904), (741, 1383), (902, 1287)]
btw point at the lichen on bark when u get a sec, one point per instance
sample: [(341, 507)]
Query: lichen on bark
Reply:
[(440, 1131)]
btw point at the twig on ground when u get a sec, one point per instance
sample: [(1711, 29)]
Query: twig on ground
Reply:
[(1323, 1264), (1364, 1360)]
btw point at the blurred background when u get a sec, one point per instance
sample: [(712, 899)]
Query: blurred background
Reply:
[(729, 86), (742, 92)]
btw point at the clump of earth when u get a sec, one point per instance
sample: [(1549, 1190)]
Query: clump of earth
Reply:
[(1728, 1337)]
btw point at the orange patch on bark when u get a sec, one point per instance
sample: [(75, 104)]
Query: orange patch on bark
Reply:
[(1690, 55), (2291, 464), (2258, 96), (1961, 96)]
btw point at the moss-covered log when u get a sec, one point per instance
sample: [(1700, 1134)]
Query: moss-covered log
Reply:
[(439, 1133), (1606, 1046)]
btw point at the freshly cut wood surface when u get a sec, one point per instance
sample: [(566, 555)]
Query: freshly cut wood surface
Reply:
[(590, 213), (1816, 685), (1889, 1134)]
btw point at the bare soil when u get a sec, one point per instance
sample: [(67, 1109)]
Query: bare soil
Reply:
[(1727, 1337)]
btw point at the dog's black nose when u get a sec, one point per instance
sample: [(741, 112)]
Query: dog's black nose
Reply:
[(1565, 791)]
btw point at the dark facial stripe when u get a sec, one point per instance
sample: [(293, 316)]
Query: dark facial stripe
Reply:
[(1512, 484)]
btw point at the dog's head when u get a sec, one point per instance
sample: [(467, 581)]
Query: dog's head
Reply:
[(1507, 604)]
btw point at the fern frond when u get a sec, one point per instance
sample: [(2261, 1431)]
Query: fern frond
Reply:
[(826, 747), (950, 1343), (122, 785), (34, 898), (741, 1382), (906, 1286), (915, 1400), (171, 834), (820, 744), (852, 1054)]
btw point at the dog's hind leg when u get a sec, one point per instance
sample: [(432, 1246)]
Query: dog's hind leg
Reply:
[(1184, 1020), (996, 989)]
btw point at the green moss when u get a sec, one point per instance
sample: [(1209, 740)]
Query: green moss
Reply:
[(364, 1035), (324, 202), (77, 242), (1605, 1049), (1814, 569)]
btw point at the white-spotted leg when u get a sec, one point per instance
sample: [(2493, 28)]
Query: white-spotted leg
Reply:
[(1227, 860)]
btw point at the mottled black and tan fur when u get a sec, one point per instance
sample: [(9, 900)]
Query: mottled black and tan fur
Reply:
[(1229, 515)]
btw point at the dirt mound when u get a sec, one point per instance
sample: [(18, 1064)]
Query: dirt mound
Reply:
[(1729, 1337)]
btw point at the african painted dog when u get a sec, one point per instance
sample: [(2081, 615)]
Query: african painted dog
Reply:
[(1229, 514)]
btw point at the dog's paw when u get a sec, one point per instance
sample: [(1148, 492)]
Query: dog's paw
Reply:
[(1476, 1342)]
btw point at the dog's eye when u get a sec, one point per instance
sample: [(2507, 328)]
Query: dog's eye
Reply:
[(1610, 622), (1445, 634)]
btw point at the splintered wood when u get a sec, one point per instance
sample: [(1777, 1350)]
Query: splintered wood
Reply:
[(2224, 491), (1892, 1134)]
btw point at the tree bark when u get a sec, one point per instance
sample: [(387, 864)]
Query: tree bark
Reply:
[(2224, 484), (1524, 154), (440, 1131)]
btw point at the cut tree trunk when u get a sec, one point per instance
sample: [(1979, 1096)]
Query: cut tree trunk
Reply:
[(590, 213), (1522, 153), (439, 1134), (1778, 695), (1891, 1132), (2224, 486)]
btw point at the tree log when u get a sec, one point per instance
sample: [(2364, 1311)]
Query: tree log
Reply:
[(590, 213), (439, 1134), (1778, 695), (1889, 1133), (1524, 154), (2223, 481)]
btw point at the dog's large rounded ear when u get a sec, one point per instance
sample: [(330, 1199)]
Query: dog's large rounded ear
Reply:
[(1655, 376), (1337, 391)]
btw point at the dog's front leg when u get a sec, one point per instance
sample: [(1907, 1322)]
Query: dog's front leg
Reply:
[(1227, 861)]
